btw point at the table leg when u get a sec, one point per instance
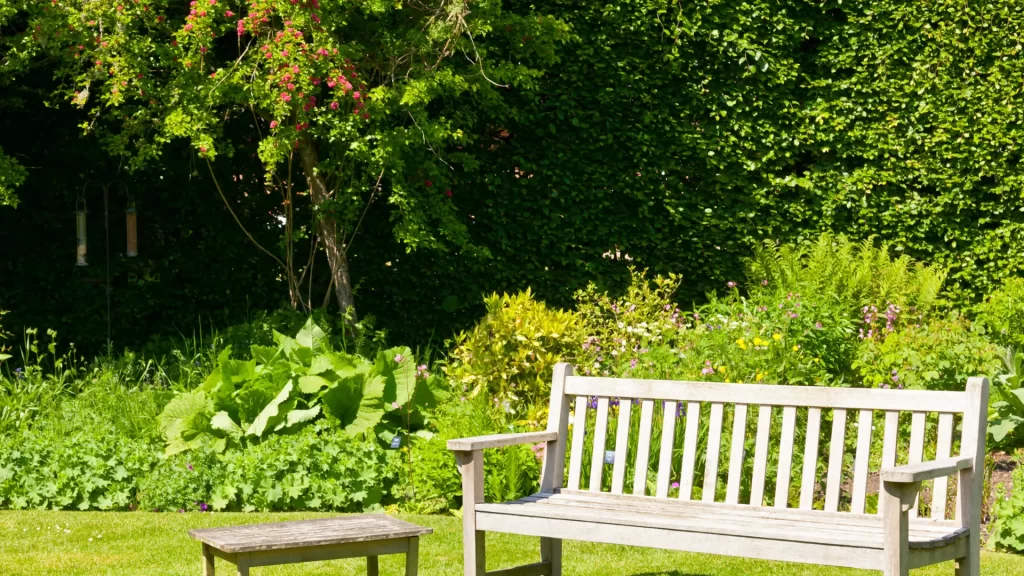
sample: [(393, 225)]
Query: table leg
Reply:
[(412, 557), (243, 564), (372, 568), (208, 568)]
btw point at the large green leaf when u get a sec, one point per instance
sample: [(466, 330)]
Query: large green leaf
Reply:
[(1001, 427), (273, 412), (185, 420), (297, 417), (311, 336), (311, 384), (356, 401), (398, 368)]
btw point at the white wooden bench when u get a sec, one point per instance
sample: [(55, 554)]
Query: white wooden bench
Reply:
[(895, 540)]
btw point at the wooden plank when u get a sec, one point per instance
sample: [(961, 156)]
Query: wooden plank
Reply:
[(643, 448), (808, 478), (372, 566), (553, 472), (862, 458), (304, 533), (323, 553), (917, 424), (474, 556), (714, 447), (927, 470), (943, 447), (889, 445), (621, 446), (579, 433), (412, 557), (698, 542), (800, 396), (208, 561), (668, 434), (736, 453), (836, 447), (785, 469), (757, 479), (501, 440), (972, 479), (600, 435), (689, 450)]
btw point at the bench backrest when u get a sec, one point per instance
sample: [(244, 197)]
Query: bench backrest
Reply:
[(670, 416)]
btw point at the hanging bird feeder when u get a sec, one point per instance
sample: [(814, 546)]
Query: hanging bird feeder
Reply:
[(80, 231), (132, 228)]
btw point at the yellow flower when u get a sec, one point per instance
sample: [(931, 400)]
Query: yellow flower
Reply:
[(795, 348), (777, 336), (741, 344), (758, 341), (759, 377), (721, 369)]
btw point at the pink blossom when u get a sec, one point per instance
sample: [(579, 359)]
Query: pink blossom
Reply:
[(188, 27), (316, 81), (428, 183), (356, 95), (291, 86), (286, 97), (213, 2), (295, 68), (315, 18), (284, 53), (334, 105), (229, 14), (331, 83), (448, 192), (273, 124)]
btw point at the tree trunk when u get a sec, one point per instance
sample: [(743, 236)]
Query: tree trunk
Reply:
[(327, 228)]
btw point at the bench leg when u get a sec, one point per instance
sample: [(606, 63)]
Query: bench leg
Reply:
[(372, 566), (243, 565), (412, 557), (551, 552), (208, 567), (471, 464)]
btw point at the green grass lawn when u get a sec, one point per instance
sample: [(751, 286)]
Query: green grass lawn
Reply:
[(141, 543)]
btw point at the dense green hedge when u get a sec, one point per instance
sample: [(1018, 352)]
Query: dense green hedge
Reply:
[(679, 134)]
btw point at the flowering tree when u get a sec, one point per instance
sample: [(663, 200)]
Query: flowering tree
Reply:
[(351, 94)]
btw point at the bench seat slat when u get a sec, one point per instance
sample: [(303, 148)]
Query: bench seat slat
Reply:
[(800, 396), (736, 453), (683, 516), (689, 450), (944, 445), (757, 479), (621, 446), (643, 449), (836, 447)]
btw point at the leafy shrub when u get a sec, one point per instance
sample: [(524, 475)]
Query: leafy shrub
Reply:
[(89, 466), (4, 350), (317, 468), (1006, 415), (850, 273), (509, 355), (181, 482), (940, 355), (283, 387), (1002, 313), (1007, 531), (431, 482)]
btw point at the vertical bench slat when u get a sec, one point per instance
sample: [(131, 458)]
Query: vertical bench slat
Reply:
[(600, 435), (764, 428), (739, 434), (835, 460), (860, 462), (917, 423), (643, 448), (943, 446), (714, 447), (689, 450), (579, 429), (621, 446), (810, 458), (668, 435), (785, 471), (889, 445)]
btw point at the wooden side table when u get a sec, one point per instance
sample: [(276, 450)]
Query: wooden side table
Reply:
[(369, 535)]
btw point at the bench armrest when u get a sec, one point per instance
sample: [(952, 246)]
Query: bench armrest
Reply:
[(500, 441), (912, 473)]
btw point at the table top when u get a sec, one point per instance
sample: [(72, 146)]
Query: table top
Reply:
[(305, 533)]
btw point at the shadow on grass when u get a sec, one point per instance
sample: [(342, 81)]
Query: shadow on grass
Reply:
[(673, 573)]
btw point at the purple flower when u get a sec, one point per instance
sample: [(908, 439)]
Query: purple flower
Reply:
[(764, 282), (189, 466), (730, 284), (399, 358), (632, 363), (203, 507), (817, 325), (675, 485)]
